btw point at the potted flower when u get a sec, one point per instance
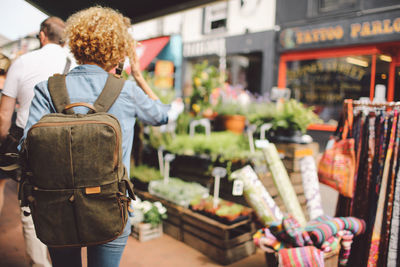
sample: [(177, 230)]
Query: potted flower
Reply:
[(231, 117), (147, 219), (205, 78)]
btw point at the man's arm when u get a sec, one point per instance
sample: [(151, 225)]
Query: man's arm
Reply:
[(7, 105)]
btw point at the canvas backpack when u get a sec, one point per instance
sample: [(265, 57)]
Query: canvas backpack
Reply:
[(73, 178)]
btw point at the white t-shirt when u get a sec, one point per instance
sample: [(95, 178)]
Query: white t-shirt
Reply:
[(30, 69)]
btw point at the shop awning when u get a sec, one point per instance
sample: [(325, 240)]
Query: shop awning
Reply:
[(148, 49), (136, 10)]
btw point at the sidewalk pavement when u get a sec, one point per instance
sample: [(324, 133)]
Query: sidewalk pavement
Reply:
[(164, 251)]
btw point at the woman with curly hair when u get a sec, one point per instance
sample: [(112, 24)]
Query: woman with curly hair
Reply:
[(99, 39)]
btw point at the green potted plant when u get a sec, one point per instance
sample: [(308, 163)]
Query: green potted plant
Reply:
[(290, 121), (142, 175)]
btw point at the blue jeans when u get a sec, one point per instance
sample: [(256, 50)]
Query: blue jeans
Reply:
[(106, 255)]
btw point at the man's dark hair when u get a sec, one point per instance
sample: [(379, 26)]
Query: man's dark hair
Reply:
[(53, 28)]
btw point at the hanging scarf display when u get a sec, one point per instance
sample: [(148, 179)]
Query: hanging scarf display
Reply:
[(376, 234), (376, 129)]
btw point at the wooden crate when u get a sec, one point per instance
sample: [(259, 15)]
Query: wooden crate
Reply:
[(223, 243), (291, 154), (297, 151), (144, 231), (173, 224)]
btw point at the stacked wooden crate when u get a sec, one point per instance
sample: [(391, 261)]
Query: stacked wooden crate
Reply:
[(223, 243)]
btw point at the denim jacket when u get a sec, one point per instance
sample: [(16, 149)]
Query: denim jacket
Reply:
[(84, 84)]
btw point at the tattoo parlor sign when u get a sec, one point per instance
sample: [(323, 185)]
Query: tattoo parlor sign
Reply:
[(366, 29)]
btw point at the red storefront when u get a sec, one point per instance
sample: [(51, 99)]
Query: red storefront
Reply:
[(326, 63)]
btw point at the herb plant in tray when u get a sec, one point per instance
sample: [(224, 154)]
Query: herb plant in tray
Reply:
[(226, 212), (142, 175)]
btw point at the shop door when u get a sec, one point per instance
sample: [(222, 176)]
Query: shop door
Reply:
[(397, 84)]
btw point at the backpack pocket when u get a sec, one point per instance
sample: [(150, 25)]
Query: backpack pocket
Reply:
[(80, 217)]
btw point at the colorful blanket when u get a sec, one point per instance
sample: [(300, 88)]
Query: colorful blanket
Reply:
[(323, 234)]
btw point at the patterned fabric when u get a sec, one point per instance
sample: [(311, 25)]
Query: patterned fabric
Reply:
[(394, 227), (283, 184), (322, 233), (265, 240), (389, 200), (302, 257), (310, 181), (376, 234), (324, 227), (347, 240), (290, 231), (257, 195)]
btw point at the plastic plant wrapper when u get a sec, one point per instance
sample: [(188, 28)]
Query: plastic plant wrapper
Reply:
[(257, 196), (309, 177), (282, 183), (177, 191)]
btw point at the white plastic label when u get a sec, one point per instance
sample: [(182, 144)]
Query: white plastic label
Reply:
[(237, 189)]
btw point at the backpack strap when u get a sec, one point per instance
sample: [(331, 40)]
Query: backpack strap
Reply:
[(59, 94), (110, 93), (67, 66)]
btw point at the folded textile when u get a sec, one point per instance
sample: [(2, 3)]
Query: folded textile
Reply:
[(302, 256), (323, 234), (267, 241), (324, 227), (290, 231), (346, 241)]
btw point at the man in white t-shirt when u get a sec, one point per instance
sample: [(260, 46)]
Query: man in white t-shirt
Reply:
[(23, 75)]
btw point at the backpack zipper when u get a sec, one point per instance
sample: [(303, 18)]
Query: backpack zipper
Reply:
[(45, 124)]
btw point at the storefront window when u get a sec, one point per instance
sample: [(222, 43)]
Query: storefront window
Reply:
[(325, 83), (330, 5), (243, 71), (382, 74)]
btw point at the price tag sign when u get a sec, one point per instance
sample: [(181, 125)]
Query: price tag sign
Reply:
[(237, 189), (167, 158), (250, 130), (160, 159), (218, 173), (262, 144), (264, 128), (203, 122)]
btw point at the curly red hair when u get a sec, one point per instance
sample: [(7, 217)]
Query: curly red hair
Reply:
[(99, 35)]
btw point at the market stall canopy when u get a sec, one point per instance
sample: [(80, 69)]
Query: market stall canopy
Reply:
[(148, 49), (136, 10)]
